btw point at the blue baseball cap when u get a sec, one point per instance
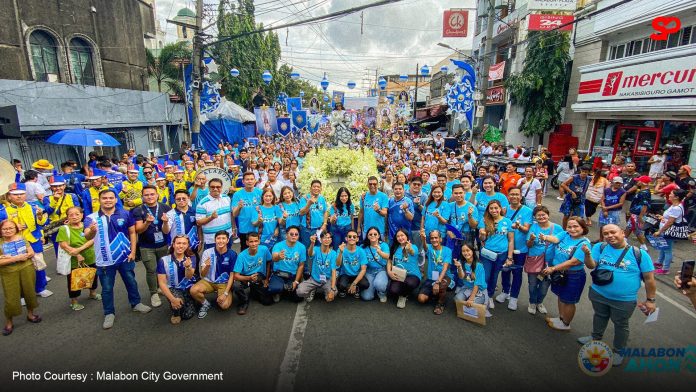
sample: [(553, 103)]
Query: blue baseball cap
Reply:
[(17, 188)]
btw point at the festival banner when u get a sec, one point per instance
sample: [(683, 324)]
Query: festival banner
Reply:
[(338, 97), (299, 120), (313, 121), (455, 23), (293, 104), (314, 106), (284, 126), (266, 120), (495, 96), (496, 71), (370, 116)]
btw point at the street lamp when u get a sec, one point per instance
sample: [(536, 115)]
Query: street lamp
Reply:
[(464, 55)]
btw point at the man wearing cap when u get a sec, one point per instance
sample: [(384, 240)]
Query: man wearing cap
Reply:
[(164, 196), (189, 173), (73, 179), (115, 243), (611, 204), (131, 191), (114, 179), (90, 196), (683, 177), (44, 167), (30, 220), (57, 206), (629, 176), (665, 185), (639, 207), (177, 184)]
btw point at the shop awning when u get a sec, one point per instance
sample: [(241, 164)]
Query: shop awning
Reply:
[(639, 105)]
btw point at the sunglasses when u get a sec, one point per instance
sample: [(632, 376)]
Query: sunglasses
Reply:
[(293, 234), (373, 235), (372, 183), (351, 236), (180, 199), (147, 172)]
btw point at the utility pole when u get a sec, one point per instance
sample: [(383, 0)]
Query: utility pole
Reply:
[(487, 44), (196, 73)]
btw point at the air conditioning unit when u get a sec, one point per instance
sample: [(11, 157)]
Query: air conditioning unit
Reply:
[(53, 78)]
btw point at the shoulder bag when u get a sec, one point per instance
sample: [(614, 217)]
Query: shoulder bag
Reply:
[(678, 230), (63, 259), (604, 276), (560, 278), (535, 264)]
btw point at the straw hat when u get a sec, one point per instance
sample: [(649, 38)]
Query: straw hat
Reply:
[(42, 164)]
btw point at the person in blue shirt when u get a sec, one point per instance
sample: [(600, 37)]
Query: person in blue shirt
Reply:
[(374, 207), (521, 217), (402, 268), (175, 276), (471, 279), (377, 253), (463, 215), (400, 212), (323, 276), (289, 259), (442, 183), (269, 216), (341, 216), (540, 253), (290, 209), (568, 259), (416, 193), (353, 263), (498, 243), (250, 271), (314, 212), (244, 203), (182, 220), (217, 264), (438, 276), (436, 215), (617, 299), (575, 188), (198, 190), (488, 194)]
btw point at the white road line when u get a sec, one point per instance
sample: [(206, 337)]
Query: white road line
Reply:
[(678, 305), (291, 360)]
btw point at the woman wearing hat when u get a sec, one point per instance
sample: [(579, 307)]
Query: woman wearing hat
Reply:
[(44, 167)]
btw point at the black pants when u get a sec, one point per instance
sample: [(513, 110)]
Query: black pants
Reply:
[(75, 294), (246, 290), (242, 241), (188, 309), (405, 288), (590, 208), (344, 282)]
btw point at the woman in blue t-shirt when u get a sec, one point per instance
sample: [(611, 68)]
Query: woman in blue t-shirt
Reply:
[(569, 256), (436, 214), (341, 216), (488, 194), (269, 218), (290, 209), (498, 243), (471, 279), (404, 256), (377, 253), (540, 254)]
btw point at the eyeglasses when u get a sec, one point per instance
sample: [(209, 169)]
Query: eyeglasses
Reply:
[(293, 234), (373, 235), (351, 236), (372, 183), (180, 199), (215, 187), (147, 172)]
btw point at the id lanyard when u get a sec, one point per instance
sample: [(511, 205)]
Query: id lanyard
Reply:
[(156, 214)]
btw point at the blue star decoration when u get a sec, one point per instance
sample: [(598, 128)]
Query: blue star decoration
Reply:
[(460, 99), (210, 97)]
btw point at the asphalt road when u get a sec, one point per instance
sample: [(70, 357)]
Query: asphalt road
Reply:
[(343, 346)]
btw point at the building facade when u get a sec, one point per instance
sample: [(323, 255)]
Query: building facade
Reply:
[(631, 94), (81, 64)]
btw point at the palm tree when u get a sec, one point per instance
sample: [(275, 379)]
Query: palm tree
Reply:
[(163, 67)]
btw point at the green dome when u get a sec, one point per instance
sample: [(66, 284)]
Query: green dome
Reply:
[(186, 12)]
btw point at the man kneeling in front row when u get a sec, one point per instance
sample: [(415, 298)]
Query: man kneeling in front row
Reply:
[(217, 276)]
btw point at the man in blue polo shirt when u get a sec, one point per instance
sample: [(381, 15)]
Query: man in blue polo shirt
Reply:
[(374, 207), (244, 204), (217, 265), (115, 241), (182, 220), (416, 194), (401, 211), (314, 215), (250, 271)]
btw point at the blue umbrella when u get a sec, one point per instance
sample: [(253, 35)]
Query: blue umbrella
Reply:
[(83, 137)]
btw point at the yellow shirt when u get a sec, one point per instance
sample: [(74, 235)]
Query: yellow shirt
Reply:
[(134, 188), (190, 176), (24, 215), (54, 203)]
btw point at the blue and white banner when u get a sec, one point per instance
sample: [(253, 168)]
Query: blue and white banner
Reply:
[(293, 104), (313, 121), (284, 126), (338, 97), (265, 121), (460, 96), (299, 120)]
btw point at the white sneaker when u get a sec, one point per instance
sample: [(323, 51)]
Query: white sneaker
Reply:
[(401, 303), (557, 324), (276, 297), (512, 305), (645, 248), (584, 339), (617, 359), (488, 314), (559, 198), (155, 300), (108, 321), (382, 297), (24, 303), (203, 311), (491, 304), (141, 308), (502, 297), (532, 309), (45, 294), (541, 308), (310, 297), (48, 279)]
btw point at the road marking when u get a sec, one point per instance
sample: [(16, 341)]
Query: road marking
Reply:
[(291, 360), (678, 305)]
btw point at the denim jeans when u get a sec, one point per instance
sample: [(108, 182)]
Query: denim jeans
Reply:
[(665, 257), (537, 289), (338, 234), (107, 277), (492, 269), (378, 283), (515, 275)]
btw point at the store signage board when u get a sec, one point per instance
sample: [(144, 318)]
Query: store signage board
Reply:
[(539, 22), (496, 71), (455, 23), (674, 77), (552, 5), (495, 96)]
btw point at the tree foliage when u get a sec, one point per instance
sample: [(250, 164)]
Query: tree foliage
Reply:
[(163, 68), (251, 55), (539, 87)]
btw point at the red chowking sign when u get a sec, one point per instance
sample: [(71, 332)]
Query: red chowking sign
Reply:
[(495, 96), (539, 22), (455, 23), (675, 77)]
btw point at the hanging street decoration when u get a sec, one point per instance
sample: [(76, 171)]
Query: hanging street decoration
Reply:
[(351, 84), (325, 83), (382, 83), (267, 77), (460, 95), (425, 70), (403, 78), (294, 75), (234, 72)]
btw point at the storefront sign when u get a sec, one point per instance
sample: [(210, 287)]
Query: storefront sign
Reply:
[(539, 22), (496, 71), (552, 5), (479, 111), (495, 96), (675, 77), (455, 23)]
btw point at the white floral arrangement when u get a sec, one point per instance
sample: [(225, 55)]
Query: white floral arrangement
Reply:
[(338, 167)]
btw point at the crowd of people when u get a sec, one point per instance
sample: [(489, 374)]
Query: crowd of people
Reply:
[(435, 224)]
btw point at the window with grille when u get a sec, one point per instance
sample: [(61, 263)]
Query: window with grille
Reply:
[(44, 56), (81, 62)]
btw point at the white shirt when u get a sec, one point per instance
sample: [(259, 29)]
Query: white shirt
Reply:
[(676, 212), (486, 150), (533, 186), (33, 190), (223, 221), (659, 166)]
